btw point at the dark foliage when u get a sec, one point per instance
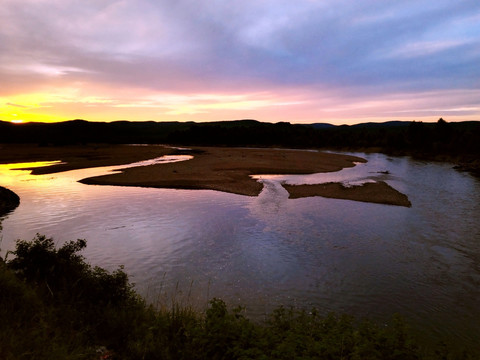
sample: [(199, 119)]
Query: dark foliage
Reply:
[(440, 137), (88, 304), (53, 305), (8, 200)]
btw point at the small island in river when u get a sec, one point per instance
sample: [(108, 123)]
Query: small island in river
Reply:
[(378, 192), (212, 168)]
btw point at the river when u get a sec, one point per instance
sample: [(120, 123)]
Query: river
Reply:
[(336, 255)]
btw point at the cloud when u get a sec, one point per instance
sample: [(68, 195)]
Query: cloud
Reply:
[(357, 50), (16, 105)]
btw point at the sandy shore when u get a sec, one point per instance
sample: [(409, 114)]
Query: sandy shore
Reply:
[(379, 192), (212, 168)]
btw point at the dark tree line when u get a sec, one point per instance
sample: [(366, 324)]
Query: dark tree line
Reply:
[(459, 138)]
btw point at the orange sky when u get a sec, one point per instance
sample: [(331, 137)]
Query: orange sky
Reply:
[(297, 107)]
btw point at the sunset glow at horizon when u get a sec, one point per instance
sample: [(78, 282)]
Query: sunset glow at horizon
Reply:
[(341, 62)]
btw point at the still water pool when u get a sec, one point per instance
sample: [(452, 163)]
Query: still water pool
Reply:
[(336, 255)]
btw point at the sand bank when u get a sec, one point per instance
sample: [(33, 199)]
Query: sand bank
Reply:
[(378, 192), (227, 169)]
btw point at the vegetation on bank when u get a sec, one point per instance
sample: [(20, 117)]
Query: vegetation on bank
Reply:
[(55, 305), (8, 200)]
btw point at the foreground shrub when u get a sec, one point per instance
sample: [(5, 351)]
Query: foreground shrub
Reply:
[(88, 305), (53, 305)]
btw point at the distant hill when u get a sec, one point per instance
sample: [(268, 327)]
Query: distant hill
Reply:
[(394, 123), (321, 125)]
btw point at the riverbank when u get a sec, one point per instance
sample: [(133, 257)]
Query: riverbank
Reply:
[(464, 162), (8, 200), (212, 168)]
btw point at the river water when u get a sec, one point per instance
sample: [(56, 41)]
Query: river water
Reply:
[(261, 252)]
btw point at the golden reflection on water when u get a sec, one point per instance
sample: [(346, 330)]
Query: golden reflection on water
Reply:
[(28, 165), (11, 174), (18, 177)]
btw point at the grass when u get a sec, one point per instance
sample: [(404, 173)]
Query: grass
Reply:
[(54, 305)]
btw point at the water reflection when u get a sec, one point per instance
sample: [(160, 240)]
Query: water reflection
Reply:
[(367, 259), (9, 177), (358, 175), (27, 165)]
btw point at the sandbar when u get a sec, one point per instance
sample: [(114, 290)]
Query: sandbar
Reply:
[(377, 192), (227, 169)]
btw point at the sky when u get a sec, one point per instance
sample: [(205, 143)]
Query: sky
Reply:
[(302, 61)]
